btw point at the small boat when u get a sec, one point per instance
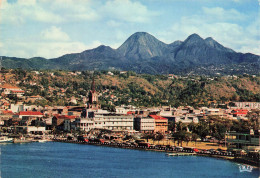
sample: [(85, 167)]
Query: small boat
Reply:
[(6, 140), (42, 141), (22, 140)]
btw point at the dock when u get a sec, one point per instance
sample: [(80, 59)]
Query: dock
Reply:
[(181, 154)]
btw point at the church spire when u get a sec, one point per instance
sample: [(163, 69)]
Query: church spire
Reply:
[(93, 84)]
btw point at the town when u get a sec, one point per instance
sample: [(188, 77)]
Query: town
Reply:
[(234, 127)]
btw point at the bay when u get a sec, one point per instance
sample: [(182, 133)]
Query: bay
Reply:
[(54, 159)]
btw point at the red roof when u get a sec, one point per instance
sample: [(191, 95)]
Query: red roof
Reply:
[(130, 112), (31, 113), (64, 116), (240, 111), (18, 91), (7, 112), (9, 86), (157, 117)]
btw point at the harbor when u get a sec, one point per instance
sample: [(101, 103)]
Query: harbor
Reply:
[(171, 151), (62, 159)]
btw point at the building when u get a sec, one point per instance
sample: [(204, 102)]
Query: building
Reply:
[(144, 124), (247, 105), (186, 119), (30, 114), (239, 112), (161, 124), (114, 122), (93, 97), (31, 129), (8, 89), (69, 124), (58, 121), (84, 124), (242, 140)]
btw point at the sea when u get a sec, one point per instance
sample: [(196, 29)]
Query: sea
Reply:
[(55, 159)]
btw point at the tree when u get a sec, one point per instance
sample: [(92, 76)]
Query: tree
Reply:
[(202, 129), (148, 136), (180, 126), (159, 136), (179, 136), (194, 137), (187, 137)]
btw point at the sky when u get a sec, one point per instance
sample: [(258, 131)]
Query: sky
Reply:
[(52, 28)]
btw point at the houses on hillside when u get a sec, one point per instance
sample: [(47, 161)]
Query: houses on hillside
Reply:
[(8, 89)]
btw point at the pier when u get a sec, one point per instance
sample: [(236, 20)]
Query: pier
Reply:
[(181, 154)]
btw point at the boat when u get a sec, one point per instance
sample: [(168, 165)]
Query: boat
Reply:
[(42, 141), (6, 140), (21, 140)]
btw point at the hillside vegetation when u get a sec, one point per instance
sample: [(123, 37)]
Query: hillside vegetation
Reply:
[(57, 87)]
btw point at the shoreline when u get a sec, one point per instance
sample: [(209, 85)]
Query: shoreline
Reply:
[(119, 145)]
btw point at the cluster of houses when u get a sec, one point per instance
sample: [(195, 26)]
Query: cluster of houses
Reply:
[(36, 119)]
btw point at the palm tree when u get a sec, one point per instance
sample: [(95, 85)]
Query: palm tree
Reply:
[(194, 137), (179, 136)]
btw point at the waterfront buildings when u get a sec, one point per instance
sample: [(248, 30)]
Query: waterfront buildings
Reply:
[(114, 122), (161, 124), (144, 124), (62, 122), (243, 141), (84, 124)]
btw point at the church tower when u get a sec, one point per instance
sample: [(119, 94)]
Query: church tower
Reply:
[(93, 97)]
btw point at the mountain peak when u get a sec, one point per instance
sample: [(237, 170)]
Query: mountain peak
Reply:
[(140, 34), (209, 39), (193, 39), (103, 47), (194, 36), (142, 45), (214, 44)]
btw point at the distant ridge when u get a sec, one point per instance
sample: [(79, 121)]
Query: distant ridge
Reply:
[(143, 53)]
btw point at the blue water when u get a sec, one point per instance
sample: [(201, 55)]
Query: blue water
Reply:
[(54, 159)]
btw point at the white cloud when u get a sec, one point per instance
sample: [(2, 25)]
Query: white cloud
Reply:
[(218, 13), (42, 49), (113, 23), (22, 11), (56, 49), (126, 10), (213, 22), (48, 11), (50, 43), (27, 2), (54, 33), (74, 10)]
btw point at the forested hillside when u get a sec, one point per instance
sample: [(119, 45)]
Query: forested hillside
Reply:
[(57, 87)]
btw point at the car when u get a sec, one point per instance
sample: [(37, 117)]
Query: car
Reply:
[(211, 150), (178, 148), (205, 151)]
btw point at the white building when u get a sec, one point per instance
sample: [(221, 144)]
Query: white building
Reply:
[(213, 111), (32, 129), (187, 119), (145, 124), (114, 122), (85, 124), (247, 105)]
